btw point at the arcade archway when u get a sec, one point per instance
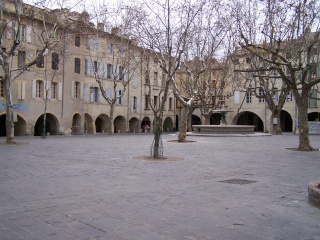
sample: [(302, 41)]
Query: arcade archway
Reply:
[(250, 118), (88, 124), (76, 124), (215, 119), (120, 125), (168, 125), (146, 122), (286, 121), (51, 125), (20, 127), (134, 125), (102, 123)]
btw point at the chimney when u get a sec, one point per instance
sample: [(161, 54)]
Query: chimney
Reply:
[(101, 27)]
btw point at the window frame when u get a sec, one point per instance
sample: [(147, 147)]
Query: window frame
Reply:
[(77, 65)]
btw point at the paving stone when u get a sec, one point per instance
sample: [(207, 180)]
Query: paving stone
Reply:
[(95, 187)]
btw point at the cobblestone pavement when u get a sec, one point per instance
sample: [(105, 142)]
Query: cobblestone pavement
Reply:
[(99, 187)]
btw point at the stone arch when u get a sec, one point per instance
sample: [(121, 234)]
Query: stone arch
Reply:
[(88, 124), (249, 118), (286, 121), (76, 124), (102, 123), (215, 119), (196, 120), (52, 125), (145, 122), (313, 116), (20, 126), (168, 125), (120, 125), (134, 125)]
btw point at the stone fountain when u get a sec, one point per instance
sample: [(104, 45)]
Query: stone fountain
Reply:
[(223, 128)]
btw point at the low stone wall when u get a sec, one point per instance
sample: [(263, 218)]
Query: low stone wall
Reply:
[(223, 129), (314, 193)]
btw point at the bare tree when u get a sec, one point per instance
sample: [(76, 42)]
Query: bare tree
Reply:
[(15, 29), (261, 80), (285, 34), (163, 27)]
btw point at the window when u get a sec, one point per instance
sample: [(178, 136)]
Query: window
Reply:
[(249, 97), (155, 78), (1, 89), (77, 41), (119, 99), (22, 33), (236, 61), (21, 59), (94, 91), (109, 70), (170, 103), (313, 99), (163, 79), (54, 90), (109, 48), (40, 62), (275, 94), (213, 99), (248, 60), (39, 89), (77, 89), (134, 104), (121, 72), (77, 65), (86, 67), (146, 102), (261, 99), (95, 67), (55, 61), (155, 101)]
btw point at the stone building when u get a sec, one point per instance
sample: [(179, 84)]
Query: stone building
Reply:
[(66, 77)]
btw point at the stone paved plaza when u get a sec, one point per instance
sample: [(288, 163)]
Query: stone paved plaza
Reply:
[(100, 187)]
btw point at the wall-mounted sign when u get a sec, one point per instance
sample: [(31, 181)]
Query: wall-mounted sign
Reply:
[(15, 106)]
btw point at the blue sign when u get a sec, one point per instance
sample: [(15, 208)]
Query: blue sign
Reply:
[(15, 106)]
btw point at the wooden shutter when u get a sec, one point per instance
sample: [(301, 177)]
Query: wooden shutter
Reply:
[(236, 97), (72, 89), (34, 88), (60, 91), (81, 90), (28, 33)]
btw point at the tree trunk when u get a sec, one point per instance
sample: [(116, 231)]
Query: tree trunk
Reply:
[(45, 117), (183, 124), (9, 115), (206, 119), (157, 135), (111, 125), (189, 121), (275, 129), (304, 142)]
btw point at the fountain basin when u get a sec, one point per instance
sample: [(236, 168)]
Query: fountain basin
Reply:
[(223, 129)]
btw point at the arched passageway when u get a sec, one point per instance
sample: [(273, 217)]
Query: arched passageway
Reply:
[(168, 125), (313, 116), (286, 121), (134, 125), (20, 126), (196, 120), (88, 124), (250, 118), (51, 126), (145, 124), (102, 123), (76, 124), (120, 125), (215, 119)]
